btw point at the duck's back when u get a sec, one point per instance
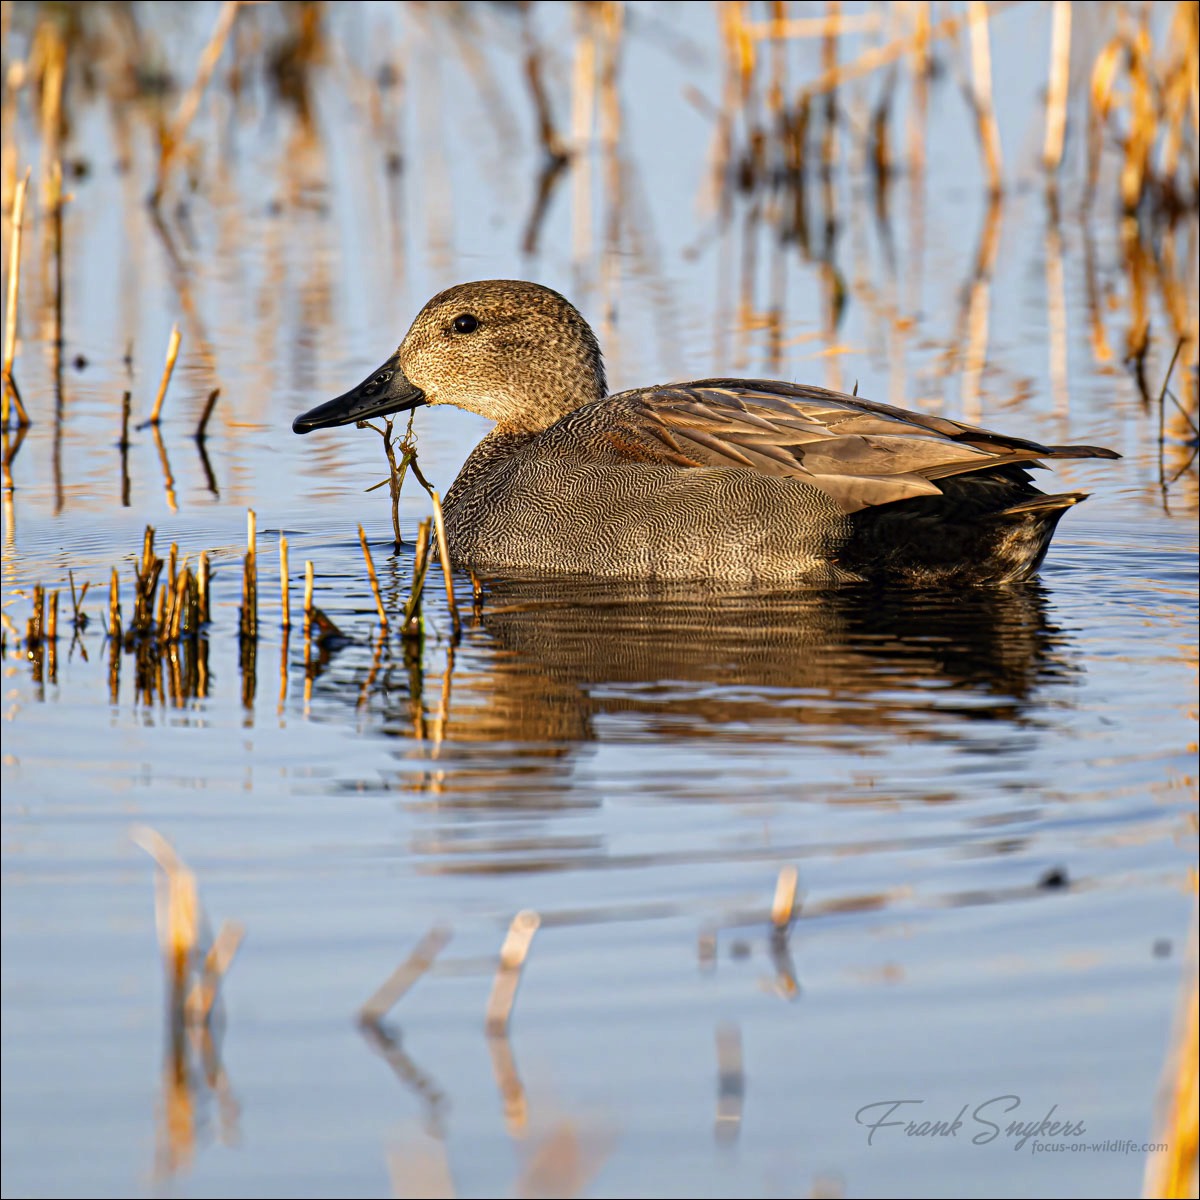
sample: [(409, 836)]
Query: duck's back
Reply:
[(754, 481)]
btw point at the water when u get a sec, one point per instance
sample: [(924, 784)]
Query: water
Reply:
[(989, 797)]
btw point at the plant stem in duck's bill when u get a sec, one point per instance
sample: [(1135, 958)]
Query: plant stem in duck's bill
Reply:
[(396, 471)]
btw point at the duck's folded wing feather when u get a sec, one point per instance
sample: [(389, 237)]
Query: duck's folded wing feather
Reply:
[(859, 452)]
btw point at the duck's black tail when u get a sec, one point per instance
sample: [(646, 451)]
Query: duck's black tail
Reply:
[(1079, 452), (1044, 504), (989, 526)]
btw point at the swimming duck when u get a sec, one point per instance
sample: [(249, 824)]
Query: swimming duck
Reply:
[(737, 480)]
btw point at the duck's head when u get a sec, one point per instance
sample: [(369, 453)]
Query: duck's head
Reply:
[(516, 353)]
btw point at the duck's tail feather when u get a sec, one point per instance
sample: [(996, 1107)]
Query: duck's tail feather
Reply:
[(1044, 504), (1080, 452)]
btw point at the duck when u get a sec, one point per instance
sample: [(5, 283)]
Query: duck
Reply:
[(734, 481)]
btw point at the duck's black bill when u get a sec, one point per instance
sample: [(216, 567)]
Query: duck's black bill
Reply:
[(388, 390)]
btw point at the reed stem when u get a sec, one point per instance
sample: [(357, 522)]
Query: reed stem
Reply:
[(308, 598), (114, 607), (202, 581), (168, 371), (10, 320), (284, 582)]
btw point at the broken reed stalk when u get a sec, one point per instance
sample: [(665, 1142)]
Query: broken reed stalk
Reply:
[(181, 619), (34, 629), (508, 976), (439, 525), (443, 547), (211, 403), (10, 319), (203, 615), (420, 567), (161, 622), (386, 996), (79, 619), (284, 583), (1056, 90), (362, 538), (114, 607), (172, 139), (168, 371), (145, 584), (52, 617), (249, 618), (981, 75), (785, 898), (308, 598)]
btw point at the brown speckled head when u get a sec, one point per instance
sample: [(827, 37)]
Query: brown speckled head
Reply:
[(517, 353), (514, 352)]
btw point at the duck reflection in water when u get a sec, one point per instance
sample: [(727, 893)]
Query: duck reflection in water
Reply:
[(546, 658)]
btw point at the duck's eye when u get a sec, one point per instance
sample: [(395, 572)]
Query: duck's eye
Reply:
[(466, 323)]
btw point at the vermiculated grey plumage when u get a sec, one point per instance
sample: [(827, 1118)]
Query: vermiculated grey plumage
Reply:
[(744, 481)]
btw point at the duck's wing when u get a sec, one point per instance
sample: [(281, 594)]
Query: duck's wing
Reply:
[(859, 452)]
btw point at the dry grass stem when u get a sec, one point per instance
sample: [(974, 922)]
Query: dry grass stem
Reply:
[(10, 317), (248, 624), (410, 626), (442, 544), (444, 554), (385, 997), (168, 371), (114, 607), (1056, 92), (284, 583), (34, 629), (308, 598), (785, 898), (202, 581), (362, 538), (981, 82), (78, 618), (146, 575), (172, 138), (508, 977)]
